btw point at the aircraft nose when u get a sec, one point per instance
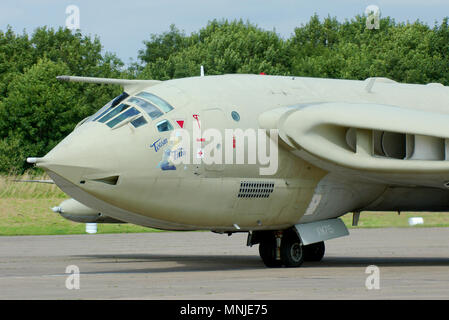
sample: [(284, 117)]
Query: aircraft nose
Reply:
[(82, 153)]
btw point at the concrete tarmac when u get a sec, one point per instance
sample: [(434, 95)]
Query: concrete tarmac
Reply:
[(413, 264)]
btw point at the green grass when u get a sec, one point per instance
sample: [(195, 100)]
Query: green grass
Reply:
[(9, 188), (392, 219), (34, 217), (25, 210)]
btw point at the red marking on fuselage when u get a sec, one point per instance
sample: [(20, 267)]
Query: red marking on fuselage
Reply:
[(180, 123), (196, 117)]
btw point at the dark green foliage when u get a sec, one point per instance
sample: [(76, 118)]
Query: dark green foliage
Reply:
[(412, 52), (405, 52), (164, 45), (221, 47), (36, 111)]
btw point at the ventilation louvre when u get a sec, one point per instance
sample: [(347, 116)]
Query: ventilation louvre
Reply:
[(255, 189)]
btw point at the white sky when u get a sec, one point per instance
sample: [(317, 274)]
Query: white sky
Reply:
[(123, 25)]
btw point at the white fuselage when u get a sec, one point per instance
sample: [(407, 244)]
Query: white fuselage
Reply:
[(223, 197)]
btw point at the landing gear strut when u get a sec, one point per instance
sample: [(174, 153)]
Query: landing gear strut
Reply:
[(281, 248), (284, 248), (269, 253)]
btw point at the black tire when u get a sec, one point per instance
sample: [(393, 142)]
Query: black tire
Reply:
[(267, 251), (314, 251), (292, 253)]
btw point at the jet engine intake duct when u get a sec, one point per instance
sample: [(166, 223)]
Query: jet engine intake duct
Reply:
[(360, 137)]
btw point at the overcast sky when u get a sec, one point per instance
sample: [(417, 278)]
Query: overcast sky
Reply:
[(123, 25)]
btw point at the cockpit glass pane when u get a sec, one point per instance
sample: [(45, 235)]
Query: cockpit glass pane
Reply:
[(114, 112), (102, 111), (111, 104), (164, 105), (119, 99), (125, 115), (164, 126), (139, 122), (149, 108)]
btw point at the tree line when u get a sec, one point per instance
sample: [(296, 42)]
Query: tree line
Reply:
[(37, 111)]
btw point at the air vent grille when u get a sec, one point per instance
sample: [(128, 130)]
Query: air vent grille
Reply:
[(255, 189)]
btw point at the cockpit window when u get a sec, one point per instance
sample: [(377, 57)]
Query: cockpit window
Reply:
[(111, 104), (114, 112), (164, 105), (102, 111), (125, 115), (139, 122), (149, 108), (164, 125), (119, 99)]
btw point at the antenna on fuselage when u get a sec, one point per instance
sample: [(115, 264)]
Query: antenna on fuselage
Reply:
[(370, 84), (202, 71)]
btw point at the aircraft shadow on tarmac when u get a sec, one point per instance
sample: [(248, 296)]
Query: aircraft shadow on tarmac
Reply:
[(153, 263)]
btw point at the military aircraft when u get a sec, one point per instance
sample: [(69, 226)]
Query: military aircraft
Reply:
[(341, 146)]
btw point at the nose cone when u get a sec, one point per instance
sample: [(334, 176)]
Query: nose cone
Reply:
[(98, 165), (82, 153)]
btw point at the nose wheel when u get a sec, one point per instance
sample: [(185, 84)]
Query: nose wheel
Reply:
[(282, 249), (268, 252), (292, 252)]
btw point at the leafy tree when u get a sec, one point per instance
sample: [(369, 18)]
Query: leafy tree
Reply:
[(36, 111), (16, 54), (39, 110), (164, 45), (223, 47)]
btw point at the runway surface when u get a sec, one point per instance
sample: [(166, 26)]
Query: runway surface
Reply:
[(413, 264)]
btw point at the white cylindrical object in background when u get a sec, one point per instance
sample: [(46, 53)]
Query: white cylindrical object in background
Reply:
[(415, 220), (91, 227)]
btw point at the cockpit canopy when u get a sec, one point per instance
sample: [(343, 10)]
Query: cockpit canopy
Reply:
[(136, 110)]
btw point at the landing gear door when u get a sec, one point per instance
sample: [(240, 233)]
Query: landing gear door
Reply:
[(318, 231)]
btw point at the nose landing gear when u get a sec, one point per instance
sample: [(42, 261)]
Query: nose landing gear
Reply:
[(292, 252), (284, 248), (269, 252)]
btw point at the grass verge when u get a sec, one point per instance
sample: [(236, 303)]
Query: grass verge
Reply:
[(25, 209)]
